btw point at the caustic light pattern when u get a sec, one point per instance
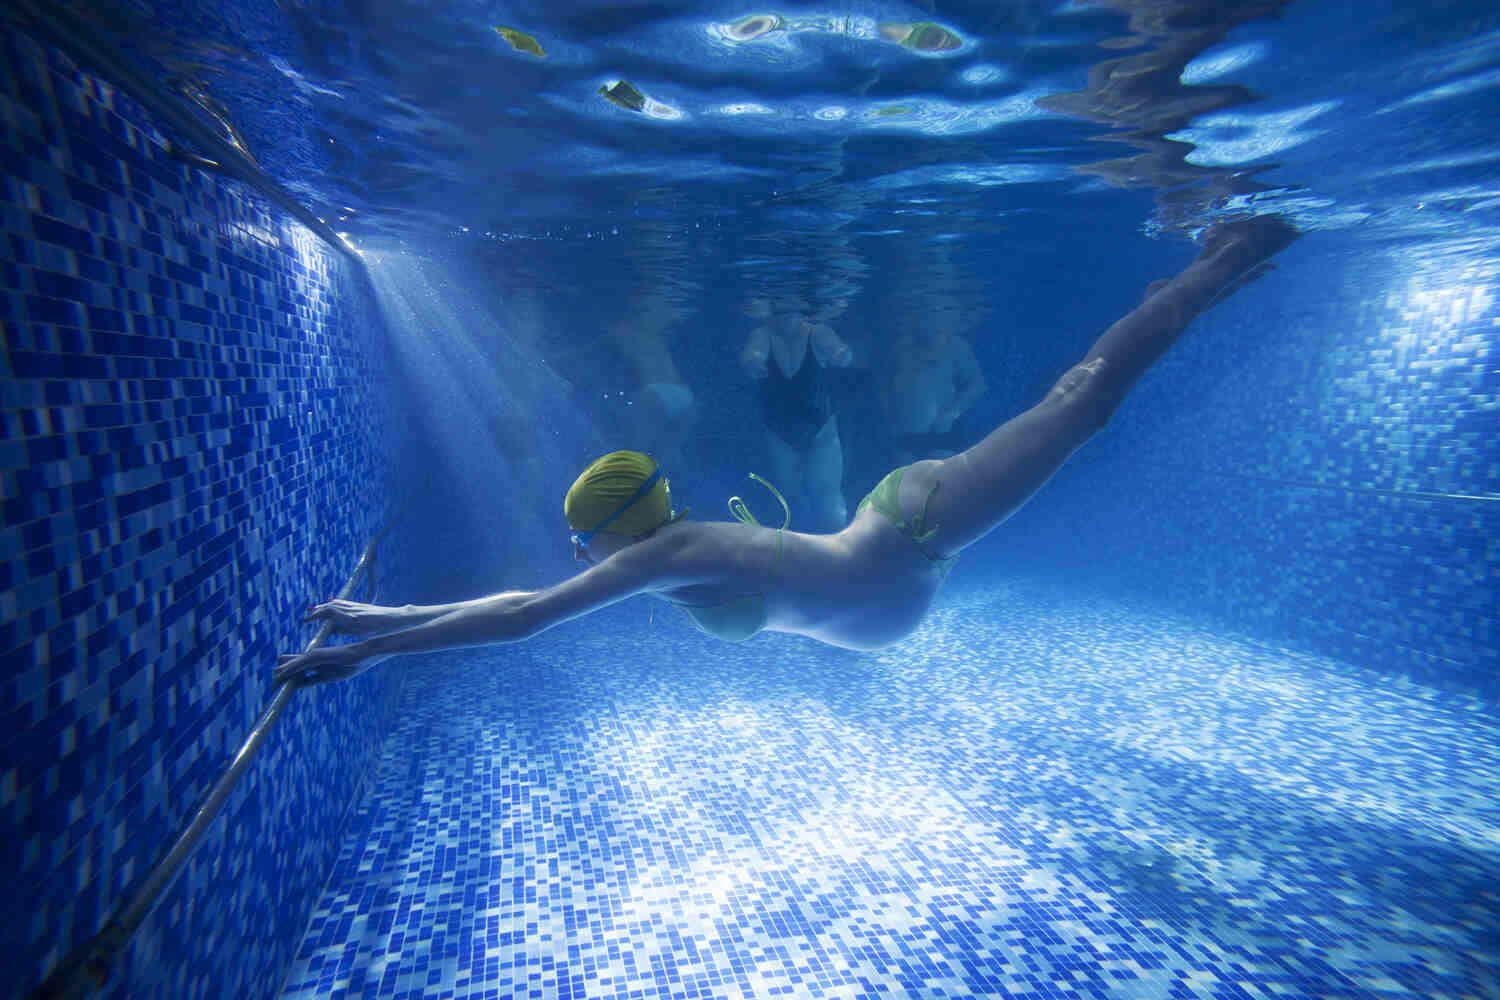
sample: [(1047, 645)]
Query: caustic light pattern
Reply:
[(1062, 798)]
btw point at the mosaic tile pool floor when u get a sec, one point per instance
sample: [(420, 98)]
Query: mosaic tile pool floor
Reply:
[(1037, 796)]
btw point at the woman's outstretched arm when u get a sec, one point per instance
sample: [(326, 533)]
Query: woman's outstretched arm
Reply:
[(358, 618), (498, 618), (508, 617)]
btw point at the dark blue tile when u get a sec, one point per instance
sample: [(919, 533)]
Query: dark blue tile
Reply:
[(60, 233), (58, 311)]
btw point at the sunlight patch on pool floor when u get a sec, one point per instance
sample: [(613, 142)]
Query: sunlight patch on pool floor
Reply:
[(1038, 795)]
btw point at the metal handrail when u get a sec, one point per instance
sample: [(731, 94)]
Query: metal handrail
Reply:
[(89, 966)]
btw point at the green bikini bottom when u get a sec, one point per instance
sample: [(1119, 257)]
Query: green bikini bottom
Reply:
[(886, 499)]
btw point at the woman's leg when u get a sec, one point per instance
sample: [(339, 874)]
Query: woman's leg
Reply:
[(978, 489)]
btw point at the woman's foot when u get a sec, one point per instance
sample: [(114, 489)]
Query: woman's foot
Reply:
[(1236, 252), (1244, 242)]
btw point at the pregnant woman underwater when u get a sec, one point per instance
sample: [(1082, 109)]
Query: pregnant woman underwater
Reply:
[(863, 587)]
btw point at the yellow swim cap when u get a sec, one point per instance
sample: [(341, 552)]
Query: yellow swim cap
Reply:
[(603, 494)]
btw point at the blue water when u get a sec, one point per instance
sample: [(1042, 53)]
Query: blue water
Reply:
[(1213, 716)]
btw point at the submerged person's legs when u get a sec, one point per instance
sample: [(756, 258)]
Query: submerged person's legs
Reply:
[(825, 478), (968, 495), (786, 467)]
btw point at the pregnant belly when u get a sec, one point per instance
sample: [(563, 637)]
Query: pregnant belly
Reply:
[(865, 618)]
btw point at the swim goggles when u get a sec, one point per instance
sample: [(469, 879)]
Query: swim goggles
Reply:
[(582, 538)]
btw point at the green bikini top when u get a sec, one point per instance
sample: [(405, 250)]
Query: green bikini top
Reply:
[(734, 621), (742, 617)]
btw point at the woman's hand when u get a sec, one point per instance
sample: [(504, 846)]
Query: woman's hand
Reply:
[(360, 619), (321, 666), (829, 348), (756, 354)]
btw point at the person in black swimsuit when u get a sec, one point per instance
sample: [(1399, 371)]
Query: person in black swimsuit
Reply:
[(796, 408), (787, 352)]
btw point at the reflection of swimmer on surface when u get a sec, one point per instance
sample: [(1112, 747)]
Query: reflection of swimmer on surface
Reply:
[(930, 380), (863, 587), (788, 353)]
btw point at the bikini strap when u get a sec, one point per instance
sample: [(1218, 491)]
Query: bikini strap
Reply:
[(742, 514), (919, 527), (741, 511)]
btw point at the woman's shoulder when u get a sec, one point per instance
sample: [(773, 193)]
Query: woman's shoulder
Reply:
[(687, 532), (692, 551)]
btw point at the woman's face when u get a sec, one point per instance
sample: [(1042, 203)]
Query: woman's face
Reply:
[(599, 548)]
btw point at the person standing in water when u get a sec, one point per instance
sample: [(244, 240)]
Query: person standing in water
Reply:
[(863, 587), (789, 353), (930, 380)]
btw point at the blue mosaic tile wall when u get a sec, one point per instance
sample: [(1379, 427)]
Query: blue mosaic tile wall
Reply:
[(197, 416), (1316, 462)]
